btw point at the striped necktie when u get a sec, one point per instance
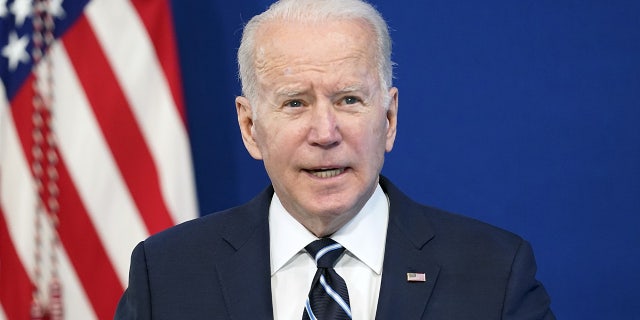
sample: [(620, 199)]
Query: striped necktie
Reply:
[(328, 298)]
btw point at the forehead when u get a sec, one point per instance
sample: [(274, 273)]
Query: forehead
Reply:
[(286, 47)]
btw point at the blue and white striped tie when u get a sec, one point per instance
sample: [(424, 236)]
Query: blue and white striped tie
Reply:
[(328, 298)]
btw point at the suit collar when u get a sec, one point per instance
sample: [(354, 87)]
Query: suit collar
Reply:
[(406, 215), (243, 269), (407, 250)]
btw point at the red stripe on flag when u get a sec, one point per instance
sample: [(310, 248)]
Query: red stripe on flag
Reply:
[(15, 284), (158, 20), (77, 233), (118, 124)]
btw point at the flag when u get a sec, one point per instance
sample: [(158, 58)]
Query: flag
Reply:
[(94, 151), (416, 277)]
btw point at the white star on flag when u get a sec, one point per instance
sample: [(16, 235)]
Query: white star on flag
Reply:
[(55, 8), (21, 9), (16, 50), (3, 8)]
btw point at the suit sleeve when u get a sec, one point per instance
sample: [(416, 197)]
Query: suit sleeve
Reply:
[(135, 303), (525, 297)]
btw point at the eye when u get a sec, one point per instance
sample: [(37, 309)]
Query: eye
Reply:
[(350, 100), (293, 104)]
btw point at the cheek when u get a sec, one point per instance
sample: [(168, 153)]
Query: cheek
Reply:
[(276, 138), (261, 136), (376, 131), (368, 138)]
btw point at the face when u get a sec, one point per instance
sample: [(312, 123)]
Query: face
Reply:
[(320, 123)]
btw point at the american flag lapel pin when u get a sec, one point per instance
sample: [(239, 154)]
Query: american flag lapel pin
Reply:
[(416, 277)]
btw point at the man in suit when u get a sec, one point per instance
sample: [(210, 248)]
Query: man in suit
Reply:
[(319, 109)]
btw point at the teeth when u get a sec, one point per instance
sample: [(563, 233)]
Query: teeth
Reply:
[(327, 173)]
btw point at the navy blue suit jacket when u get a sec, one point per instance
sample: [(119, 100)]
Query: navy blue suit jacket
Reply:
[(217, 267)]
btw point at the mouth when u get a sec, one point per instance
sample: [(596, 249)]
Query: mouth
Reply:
[(325, 173)]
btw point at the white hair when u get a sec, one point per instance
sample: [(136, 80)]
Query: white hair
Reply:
[(314, 11)]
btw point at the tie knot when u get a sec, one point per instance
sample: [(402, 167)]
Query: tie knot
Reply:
[(325, 251)]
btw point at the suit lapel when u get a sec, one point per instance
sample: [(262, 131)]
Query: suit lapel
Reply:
[(244, 268), (244, 273), (407, 251)]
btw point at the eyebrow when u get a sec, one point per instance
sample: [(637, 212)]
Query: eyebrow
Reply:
[(289, 92), (294, 92), (351, 88), (357, 87)]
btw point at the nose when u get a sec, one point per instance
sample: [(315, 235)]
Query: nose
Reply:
[(324, 130)]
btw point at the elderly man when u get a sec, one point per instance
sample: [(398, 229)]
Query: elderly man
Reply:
[(331, 238)]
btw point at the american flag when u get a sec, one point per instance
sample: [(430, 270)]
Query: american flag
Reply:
[(94, 151), (416, 277)]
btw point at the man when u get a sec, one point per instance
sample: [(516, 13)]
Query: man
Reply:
[(320, 110)]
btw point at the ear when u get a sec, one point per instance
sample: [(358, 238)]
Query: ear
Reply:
[(392, 118), (245, 121)]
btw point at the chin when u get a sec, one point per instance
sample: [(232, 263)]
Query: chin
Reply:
[(333, 211)]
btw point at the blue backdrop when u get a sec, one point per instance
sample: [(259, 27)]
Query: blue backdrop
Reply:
[(524, 114)]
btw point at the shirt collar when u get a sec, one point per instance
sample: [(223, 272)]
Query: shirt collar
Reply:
[(364, 236)]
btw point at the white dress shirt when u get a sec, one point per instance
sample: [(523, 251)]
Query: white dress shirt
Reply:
[(292, 268)]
